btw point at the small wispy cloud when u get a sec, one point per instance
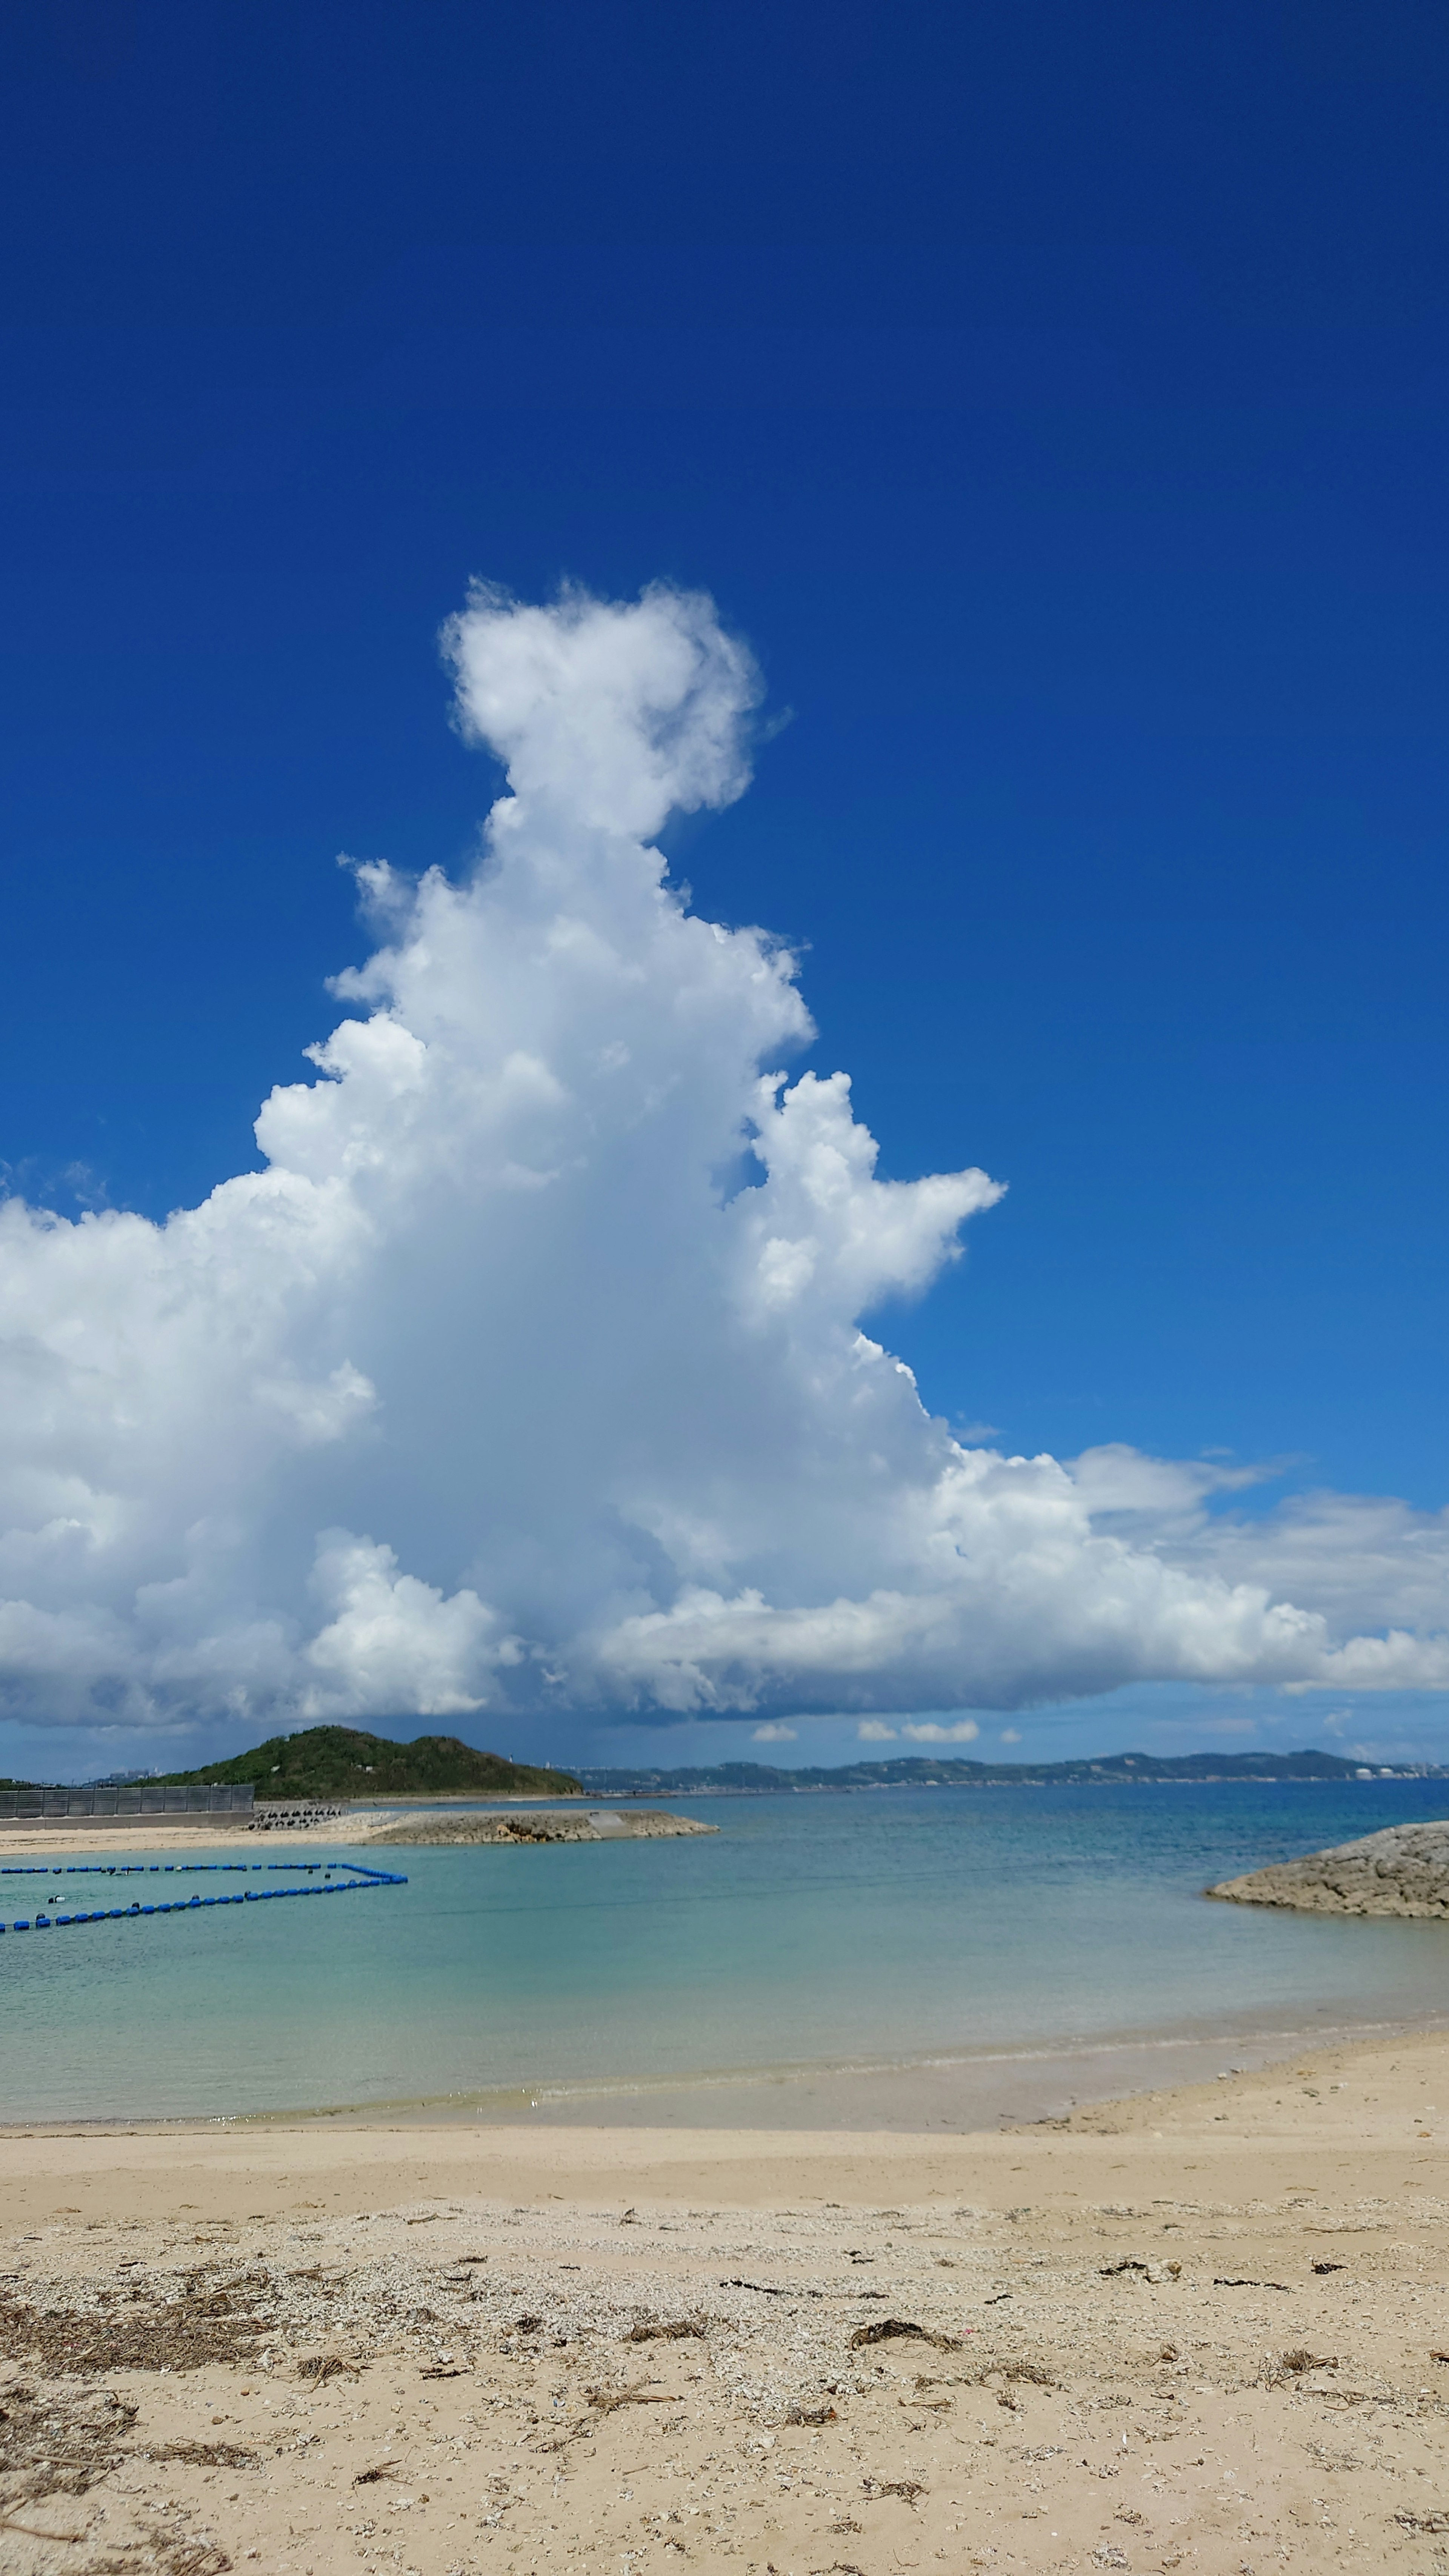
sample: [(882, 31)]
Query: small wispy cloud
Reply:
[(775, 1732), (965, 1731), (873, 1730)]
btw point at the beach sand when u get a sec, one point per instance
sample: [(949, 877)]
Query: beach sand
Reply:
[(194, 1837), (205, 1837), (1197, 2329)]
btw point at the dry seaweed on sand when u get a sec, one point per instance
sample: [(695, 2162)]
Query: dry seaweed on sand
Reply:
[(61, 2443), (322, 2366), (604, 2401), (654, 2330), (200, 2455), (163, 2553), (167, 2334), (906, 2488), (899, 2329)]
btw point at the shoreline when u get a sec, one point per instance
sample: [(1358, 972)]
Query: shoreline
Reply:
[(1058, 2085)]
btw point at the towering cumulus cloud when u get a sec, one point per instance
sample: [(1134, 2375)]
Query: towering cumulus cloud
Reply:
[(530, 1371)]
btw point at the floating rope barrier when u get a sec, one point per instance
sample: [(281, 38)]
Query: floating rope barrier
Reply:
[(332, 1878)]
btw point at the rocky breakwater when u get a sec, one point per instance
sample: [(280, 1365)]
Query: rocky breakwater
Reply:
[(1404, 1870), (543, 1825)]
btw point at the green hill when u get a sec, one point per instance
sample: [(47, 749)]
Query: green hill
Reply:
[(342, 1762)]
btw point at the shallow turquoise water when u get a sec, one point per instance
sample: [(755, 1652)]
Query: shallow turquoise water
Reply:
[(865, 1928)]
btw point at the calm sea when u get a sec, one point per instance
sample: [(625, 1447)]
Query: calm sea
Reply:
[(872, 1931)]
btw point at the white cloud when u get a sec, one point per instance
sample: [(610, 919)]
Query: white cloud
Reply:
[(1010, 1735), (965, 1731), (774, 1732), (529, 1373), (873, 1730)]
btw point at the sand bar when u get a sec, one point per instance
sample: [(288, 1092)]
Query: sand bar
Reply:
[(1195, 2330)]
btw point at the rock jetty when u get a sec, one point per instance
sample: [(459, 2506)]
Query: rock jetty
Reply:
[(1404, 1870), (542, 1825)]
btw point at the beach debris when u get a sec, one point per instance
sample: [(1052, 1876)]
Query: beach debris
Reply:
[(444, 2370), (901, 2329), (60, 2445), (999, 2299), (798, 2414), (771, 2290), (605, 2401), (1300, 2359), (1221, 2284), (1439, 2356), (1437, 2519), (1330, 2267), (1029, 2370), (169, 2334), (322, 2366), (199, 2455), (906, 2488), (654, 2330), (1129, 2263), (384, 2469)]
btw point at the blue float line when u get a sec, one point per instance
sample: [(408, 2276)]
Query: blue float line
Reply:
[(359, 1876)]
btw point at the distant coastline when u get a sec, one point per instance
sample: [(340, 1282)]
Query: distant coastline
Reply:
[(918, 1771)]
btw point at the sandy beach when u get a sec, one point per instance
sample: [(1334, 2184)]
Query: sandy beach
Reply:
[(1198, 2329), (207, 1837)]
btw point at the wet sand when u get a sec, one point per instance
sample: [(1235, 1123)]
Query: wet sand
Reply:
[(1197, 2329)]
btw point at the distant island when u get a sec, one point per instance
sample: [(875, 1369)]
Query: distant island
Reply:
[(919, 1772), (342, 1762)]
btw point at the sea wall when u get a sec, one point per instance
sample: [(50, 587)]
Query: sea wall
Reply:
[(1404, 1870), (543, 1825)]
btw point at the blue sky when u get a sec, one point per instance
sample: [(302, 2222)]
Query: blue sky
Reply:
[(1055, 400)]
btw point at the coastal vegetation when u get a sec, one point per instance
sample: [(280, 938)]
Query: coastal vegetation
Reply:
[(345, 1762)]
